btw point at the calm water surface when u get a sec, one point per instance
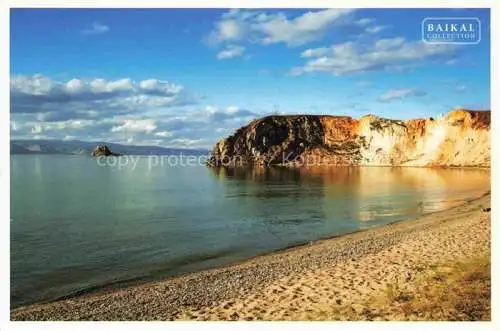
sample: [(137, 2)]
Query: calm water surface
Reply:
[(76, 225)]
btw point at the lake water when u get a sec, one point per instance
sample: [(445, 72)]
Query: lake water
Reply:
[(77, 224)]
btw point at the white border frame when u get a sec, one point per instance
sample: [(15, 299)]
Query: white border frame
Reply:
[(5, 5)]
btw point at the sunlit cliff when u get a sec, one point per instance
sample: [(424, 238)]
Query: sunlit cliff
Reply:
[(460, 138)]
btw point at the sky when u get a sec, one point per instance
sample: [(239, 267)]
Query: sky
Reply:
[(189, 77)]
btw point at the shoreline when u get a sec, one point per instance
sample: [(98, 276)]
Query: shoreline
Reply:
[(173, 297), (144, 280)]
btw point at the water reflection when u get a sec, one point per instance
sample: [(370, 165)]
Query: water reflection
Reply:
[(77, 224), (360, 194)]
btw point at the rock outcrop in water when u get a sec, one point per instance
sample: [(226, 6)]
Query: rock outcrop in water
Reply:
[(103, 150), (459, 138)]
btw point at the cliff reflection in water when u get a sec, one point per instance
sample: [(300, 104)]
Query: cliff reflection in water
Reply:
[(364, 194)]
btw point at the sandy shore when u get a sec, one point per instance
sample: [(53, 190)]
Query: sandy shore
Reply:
[(301, 283)]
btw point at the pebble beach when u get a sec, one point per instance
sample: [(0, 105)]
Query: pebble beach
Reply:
[(300, 283)]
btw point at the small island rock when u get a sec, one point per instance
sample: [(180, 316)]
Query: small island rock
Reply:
[(103, 150)]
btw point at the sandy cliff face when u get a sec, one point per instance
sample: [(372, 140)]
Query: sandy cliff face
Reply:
[(460, 138)]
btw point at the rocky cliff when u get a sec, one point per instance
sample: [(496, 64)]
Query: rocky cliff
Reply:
[(460, 138)]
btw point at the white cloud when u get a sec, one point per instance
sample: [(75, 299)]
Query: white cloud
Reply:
[(308, 27), (375, 29), (134, 126), (96, 28), (400, 94), (38, 127), (160, 86), (257, 26), (164, 134), (41, 137), (232, 110), (230, 30), (389, 43), (230, 52), (38, 85), (75, 86), (384, 54), (188, 128), (364, 21), (315, 52), (78, 124), (124, 84), (97, 109), (230, 113), (35, 85), (42, 95)]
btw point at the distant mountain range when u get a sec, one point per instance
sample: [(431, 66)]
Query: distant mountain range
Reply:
[(76, 147)]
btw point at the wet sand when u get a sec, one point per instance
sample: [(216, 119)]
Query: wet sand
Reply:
[(301, 283)]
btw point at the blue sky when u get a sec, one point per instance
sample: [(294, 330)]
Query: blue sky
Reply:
[(188, 77)]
